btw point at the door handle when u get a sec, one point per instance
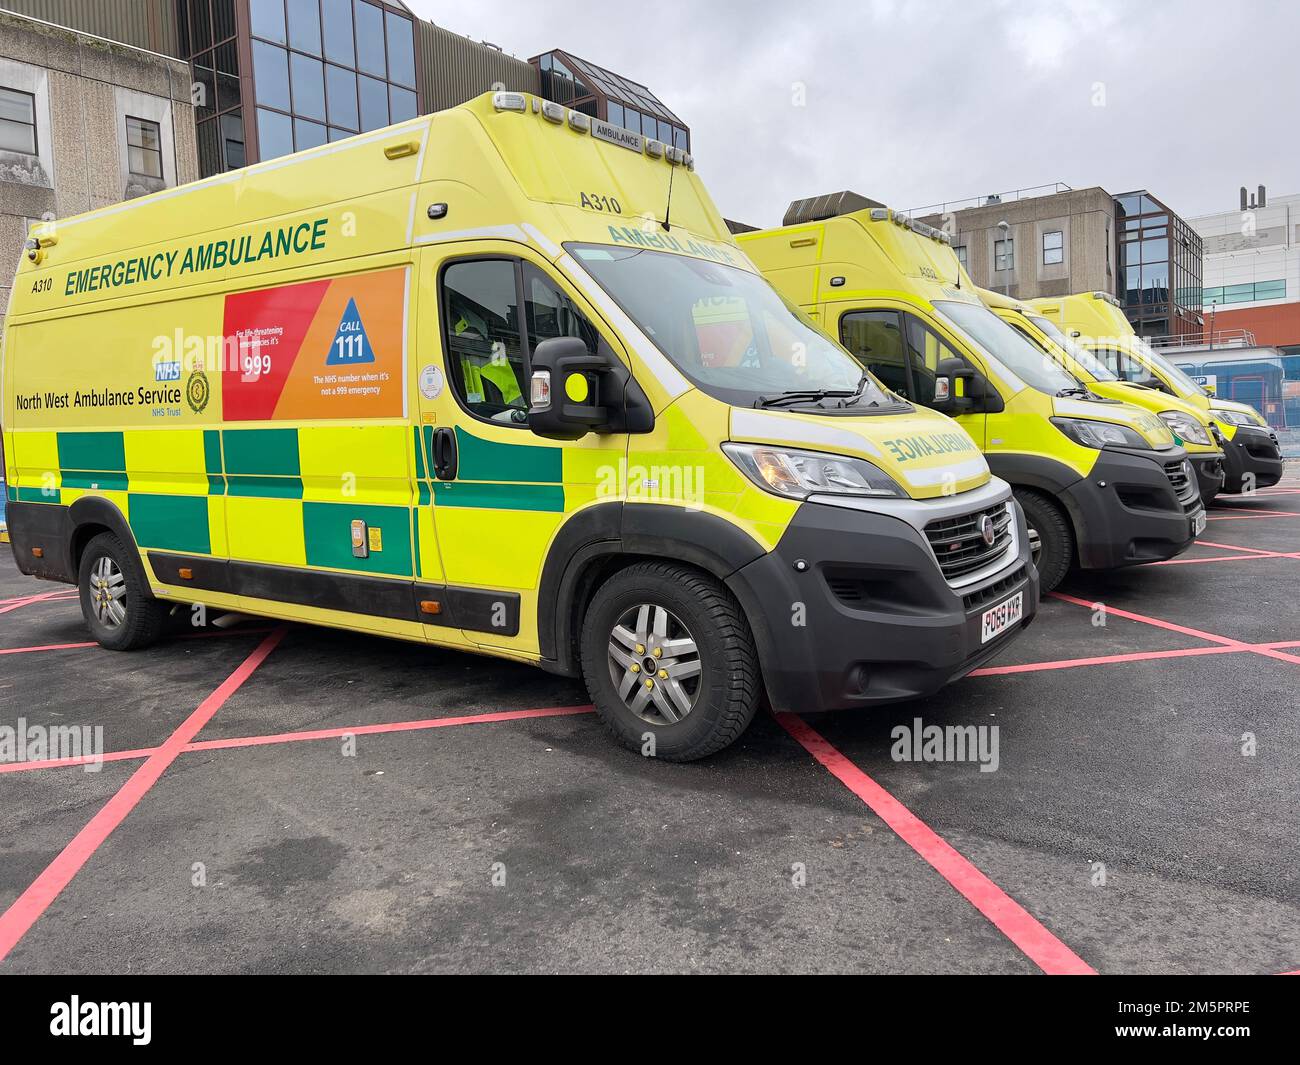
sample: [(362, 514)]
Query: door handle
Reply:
[(444, 454)]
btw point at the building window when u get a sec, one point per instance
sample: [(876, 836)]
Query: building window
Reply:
[(17, 121), (1053, 247), (960, 249), (143, 148), (328, 101), (1004, 254)]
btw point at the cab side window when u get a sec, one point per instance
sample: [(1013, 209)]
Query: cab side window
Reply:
[(899, 349), (928, 350), (495, 313), (550, 312), (875, 339), (485, 353), (1123, 365)]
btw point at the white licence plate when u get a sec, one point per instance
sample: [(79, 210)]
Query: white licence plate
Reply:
[(997, 619), (1198, 523)]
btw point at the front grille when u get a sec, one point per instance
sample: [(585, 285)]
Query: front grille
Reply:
[(959, 545), (993, 591), (1181, 477)]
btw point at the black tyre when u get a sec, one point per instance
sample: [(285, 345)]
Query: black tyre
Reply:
[(115, 601), (669, 660), (1051, 539)]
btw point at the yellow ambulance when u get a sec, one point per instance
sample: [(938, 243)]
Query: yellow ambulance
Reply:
[(495, 379), (1102, 483), (1191, 427), (1252, 453)]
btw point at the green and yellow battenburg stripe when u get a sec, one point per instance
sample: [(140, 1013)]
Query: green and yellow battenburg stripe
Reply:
[(288, 496)]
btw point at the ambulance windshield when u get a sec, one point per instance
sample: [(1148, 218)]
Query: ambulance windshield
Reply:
[(731, 334)]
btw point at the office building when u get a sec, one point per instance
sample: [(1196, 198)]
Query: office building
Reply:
[(1053, 240)]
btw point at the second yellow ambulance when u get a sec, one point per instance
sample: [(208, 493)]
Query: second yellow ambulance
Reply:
[(1102, 483)]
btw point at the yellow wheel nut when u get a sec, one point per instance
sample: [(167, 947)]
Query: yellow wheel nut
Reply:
[(663, 674), (649, 683), (640, 648), (658, 652), (636, 668)]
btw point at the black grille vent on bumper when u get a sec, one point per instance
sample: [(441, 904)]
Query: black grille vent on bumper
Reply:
[(993, 591), (959, 543), (1184, 481)]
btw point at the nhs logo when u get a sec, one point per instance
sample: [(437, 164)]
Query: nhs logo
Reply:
[(166, 371)]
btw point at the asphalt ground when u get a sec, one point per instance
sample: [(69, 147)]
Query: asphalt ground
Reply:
[(288, 799)]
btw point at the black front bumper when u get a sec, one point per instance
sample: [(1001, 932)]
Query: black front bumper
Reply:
[(1209, 474), (1126, 511), (1252, 459), (852, 610)]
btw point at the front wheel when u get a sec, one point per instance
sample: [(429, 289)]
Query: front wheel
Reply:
[(1051, 539), (670, 661), (120, 612)]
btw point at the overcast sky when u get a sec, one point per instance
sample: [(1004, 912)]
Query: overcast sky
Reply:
[(913, 103)]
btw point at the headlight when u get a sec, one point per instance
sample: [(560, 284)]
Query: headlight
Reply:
[(799, 474), (1185, 426), (1096, 434), (1232, 417)]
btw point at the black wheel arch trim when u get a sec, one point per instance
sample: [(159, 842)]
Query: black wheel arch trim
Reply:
[(1048, 476), (608, 530)]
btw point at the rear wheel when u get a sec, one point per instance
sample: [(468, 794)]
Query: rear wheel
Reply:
[(1051, 540), (115, 601), (670, 661)]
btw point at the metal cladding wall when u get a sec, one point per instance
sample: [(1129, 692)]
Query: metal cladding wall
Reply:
[(455, 69), (149, 24)]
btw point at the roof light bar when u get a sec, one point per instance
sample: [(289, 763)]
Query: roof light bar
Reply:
[(654, 149), (553, 112), (510, 101), (578, 122)]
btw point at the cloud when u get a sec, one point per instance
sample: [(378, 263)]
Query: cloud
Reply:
[(916, 103)]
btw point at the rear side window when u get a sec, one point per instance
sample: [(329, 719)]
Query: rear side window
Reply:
[(495, 312)]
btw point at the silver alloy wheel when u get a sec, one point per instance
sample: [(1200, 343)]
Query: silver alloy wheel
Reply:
[(108, 593), (654, 664), (1035, 545)]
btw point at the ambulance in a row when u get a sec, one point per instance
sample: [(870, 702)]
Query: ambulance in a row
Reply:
[(499, 380), (1252, 453), (1191, 426), (1103, 484)]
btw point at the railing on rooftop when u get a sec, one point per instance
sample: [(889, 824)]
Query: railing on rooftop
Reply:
[(991, 200), (1219, 338)]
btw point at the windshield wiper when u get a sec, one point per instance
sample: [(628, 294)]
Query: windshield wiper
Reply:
[(1075, 390), (782, 399), (817, 394)]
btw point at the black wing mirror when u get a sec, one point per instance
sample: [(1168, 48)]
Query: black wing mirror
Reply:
[(575, 391)]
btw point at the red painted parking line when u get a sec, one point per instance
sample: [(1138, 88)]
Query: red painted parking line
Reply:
[(1101, 660), (1234, 547), (83, 759), (313, 734), (1257, 648), (91, 643), (395, 726), (1258, 514), (45, 647), (14, 604), (1224, 558), (1007, 915), (1133, 656), (28, 907)]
